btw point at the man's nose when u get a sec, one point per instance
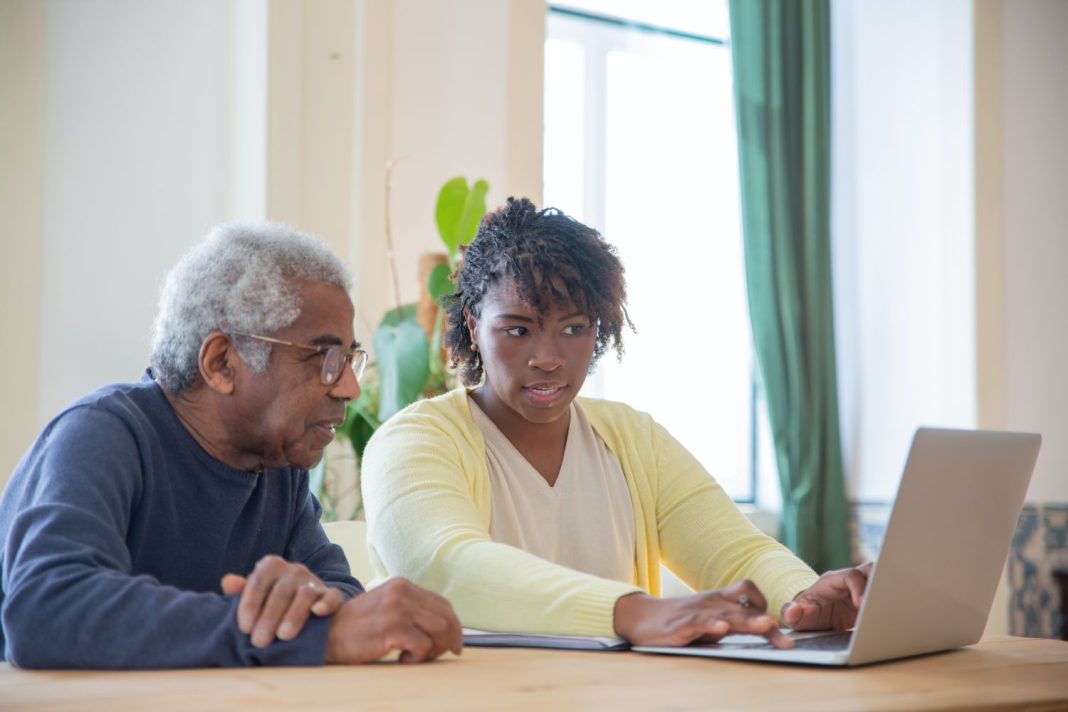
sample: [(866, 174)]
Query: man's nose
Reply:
[(347, 387)]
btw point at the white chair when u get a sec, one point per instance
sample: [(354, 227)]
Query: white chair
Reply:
[(351, 536)]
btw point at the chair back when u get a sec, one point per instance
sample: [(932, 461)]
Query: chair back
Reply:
[(351, 536)]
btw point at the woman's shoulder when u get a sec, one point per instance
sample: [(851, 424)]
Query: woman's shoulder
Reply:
[(447, 415), (615, 415)]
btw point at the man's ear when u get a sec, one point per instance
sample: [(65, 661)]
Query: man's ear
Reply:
[(218, 361)]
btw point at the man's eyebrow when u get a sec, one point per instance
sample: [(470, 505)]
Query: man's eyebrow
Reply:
[(331, 340)]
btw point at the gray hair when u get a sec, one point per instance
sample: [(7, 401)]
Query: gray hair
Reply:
[(240, 278)]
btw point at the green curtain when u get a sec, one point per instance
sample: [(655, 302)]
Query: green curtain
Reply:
[(781, 54)]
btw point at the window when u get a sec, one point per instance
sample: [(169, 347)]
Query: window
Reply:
[(640, 143)]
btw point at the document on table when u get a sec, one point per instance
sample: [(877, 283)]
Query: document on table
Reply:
[(490, 639)]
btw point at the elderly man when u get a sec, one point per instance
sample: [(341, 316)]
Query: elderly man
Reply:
[(168, 523)]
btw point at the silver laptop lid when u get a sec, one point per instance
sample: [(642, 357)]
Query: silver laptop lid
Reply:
[(945, 545)]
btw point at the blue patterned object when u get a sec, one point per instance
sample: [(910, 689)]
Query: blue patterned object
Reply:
[(869, 520), (1039, 547)]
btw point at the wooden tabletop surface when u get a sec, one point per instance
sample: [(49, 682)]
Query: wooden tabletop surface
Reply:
[(1000, 673)]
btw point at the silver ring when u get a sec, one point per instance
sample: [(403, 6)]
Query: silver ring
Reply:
[(743, 601)]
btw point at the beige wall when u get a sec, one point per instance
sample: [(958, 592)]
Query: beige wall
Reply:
[(1021, 213), (1035, 232), (129, 129), (1021, 187), (446, 88), (22, 26)]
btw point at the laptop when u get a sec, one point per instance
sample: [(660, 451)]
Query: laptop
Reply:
[(941, 560)]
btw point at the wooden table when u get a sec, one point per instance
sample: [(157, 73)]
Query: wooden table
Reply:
[(1000, 673)]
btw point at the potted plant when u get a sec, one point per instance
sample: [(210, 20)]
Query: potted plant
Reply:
[(409, 362)]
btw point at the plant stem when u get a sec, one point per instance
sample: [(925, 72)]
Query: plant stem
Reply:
[(389, 236)]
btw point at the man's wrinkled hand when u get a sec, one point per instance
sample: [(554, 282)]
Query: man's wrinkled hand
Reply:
[(277, 598), (396, 616)]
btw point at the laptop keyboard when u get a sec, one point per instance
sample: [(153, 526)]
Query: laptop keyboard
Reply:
[(806, 641), (831, 641)]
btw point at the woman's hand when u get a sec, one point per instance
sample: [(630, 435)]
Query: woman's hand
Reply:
[(706, 617), (831, 603)]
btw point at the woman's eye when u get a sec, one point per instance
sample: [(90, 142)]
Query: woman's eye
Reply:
[(575, 329), (515, 330)]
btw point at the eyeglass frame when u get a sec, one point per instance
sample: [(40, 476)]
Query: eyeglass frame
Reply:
[(355, 358)]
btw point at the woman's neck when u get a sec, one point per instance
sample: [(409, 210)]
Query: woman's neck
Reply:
[(542, 444)]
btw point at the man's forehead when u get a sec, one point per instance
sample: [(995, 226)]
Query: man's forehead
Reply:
[(327, 315)]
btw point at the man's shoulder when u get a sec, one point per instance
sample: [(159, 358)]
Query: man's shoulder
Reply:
[(100, 438), (128, 402)]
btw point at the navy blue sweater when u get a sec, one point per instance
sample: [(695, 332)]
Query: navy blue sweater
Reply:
[(117, 527)]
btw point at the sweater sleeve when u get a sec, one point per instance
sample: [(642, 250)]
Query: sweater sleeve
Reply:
[(70, 599), (309, 545), (707, 541), (424, 523)]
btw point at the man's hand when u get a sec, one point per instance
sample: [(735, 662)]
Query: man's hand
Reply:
[(705, 617), (398, 615), (277, 598), (831, 603)]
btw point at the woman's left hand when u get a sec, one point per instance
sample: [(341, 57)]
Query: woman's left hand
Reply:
[(831, 603)]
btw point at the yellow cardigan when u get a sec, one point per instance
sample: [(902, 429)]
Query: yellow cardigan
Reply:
[(426, 491)]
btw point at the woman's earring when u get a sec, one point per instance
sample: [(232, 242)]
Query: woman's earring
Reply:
[(474, 347)]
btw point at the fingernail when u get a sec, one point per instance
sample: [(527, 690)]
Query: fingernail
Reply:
[(245, 624), (286, 631), (261, 638)]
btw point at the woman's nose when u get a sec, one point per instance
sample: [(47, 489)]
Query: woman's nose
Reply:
[(547, 357)]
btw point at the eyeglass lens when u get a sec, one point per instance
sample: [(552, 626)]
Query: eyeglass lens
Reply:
[(334, 360)]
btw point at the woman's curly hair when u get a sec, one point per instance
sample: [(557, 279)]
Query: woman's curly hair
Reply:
[(553, 260)]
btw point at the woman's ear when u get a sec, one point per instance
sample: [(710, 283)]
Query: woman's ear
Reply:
[(472, 325), (218, 362)]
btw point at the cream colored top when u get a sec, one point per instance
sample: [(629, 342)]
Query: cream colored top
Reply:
[(585, 521)]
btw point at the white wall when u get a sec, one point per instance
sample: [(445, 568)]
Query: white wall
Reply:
[(138, 126), (135, 171), (903, 229)]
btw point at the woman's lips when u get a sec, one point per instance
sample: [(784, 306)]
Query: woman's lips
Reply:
[(544, 395)]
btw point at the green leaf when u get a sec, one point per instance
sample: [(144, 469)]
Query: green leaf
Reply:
[(360, 430), (438, 283), (405, 312), (459, 211), (403, 357)]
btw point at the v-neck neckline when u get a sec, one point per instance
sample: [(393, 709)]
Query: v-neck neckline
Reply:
[(571, 434)]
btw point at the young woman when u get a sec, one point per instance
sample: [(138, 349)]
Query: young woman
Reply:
[(534, 510)]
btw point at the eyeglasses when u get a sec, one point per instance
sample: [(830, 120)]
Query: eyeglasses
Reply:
[(335, 358)]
